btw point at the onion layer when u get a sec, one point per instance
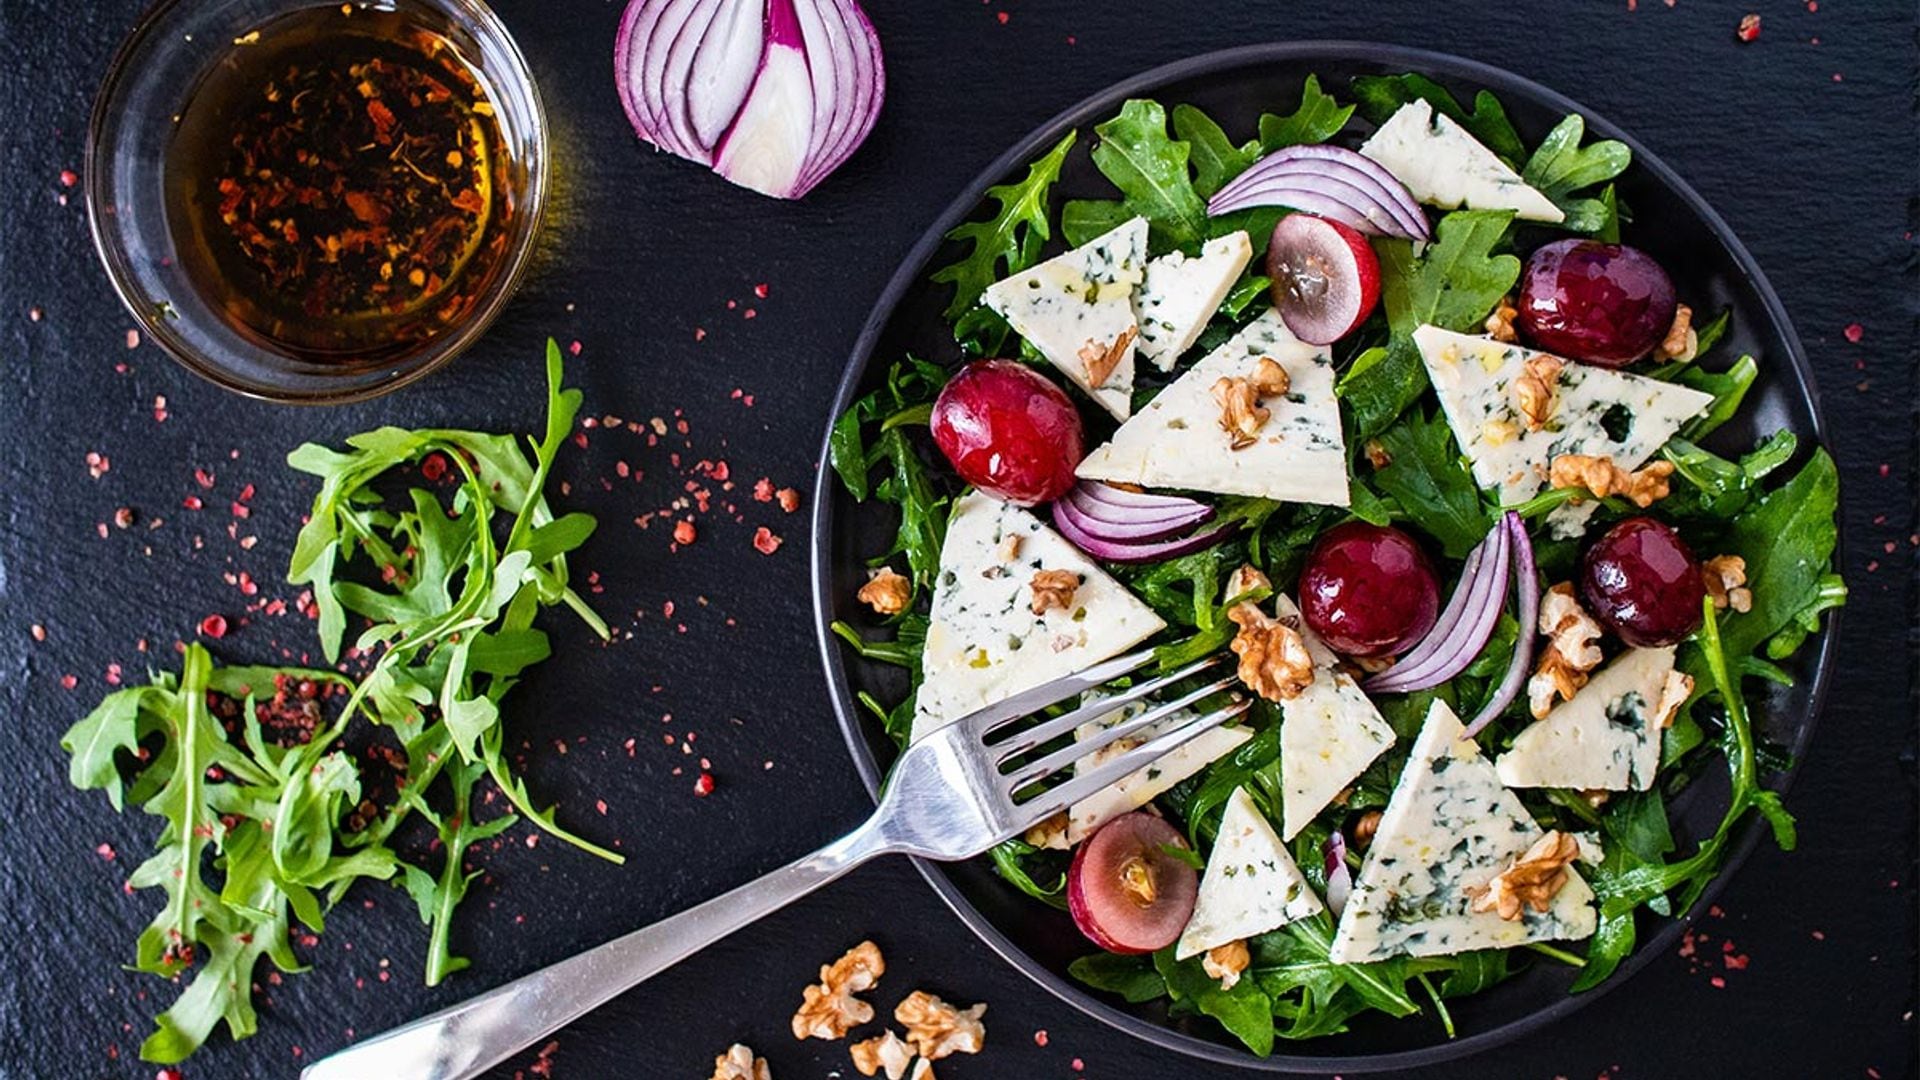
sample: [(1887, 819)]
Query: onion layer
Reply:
[(771, 94), (1332, 182), (1339, 878), (1527, 581), (1130, 527), (1464, 627)]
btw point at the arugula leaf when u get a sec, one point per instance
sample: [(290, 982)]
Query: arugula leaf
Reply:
[(1561, 166), (1318, 119), (1084, 220), (1787, 539), (1151, 169), (1005, 244), (1380, 96), (1215, 159), (437, 897), (1456, 282), (1134, 978), (1729, 388), (1017, 861), (1426, 478), (1245, 1010)]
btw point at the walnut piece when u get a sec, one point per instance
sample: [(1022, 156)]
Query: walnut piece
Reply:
[(1052, 589), (1537, 390), (1726, 580), (1269, 379), (1246, 579), (922, 1070), (1274, 661), (1677, 689), (1531, 881), (1364, 828), (1500, 323), (1226, 962), (1571, 650), (1009, 548), (1102, 359), (1599, 475), (1681, 342), (1050, 833), (1377, 455), (739, 1063), (886, 592), (1241, 414), (937, 1029), (885, 1052), (829, 1009)]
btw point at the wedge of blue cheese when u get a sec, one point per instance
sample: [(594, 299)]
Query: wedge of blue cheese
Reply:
[(1077, 306), (1149, 783), (1596, 411), (984, 643), (1444, 166), (1251, 884), (1180, 294), (1329, 734), (1608, 736), (1177, 441), (1448, 830)]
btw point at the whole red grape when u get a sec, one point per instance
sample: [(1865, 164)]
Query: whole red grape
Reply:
[(1009, 431), (1368, 590)]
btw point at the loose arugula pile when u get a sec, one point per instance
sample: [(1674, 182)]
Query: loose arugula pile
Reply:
[(269, 814), (1164, 166)]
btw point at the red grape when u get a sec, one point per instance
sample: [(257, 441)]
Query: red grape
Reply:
[(1009, 432), (1125, 892), (1640, 581), (1605, 304), (1368, 590)]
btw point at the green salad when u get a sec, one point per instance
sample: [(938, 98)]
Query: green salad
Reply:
[(1374, 403)]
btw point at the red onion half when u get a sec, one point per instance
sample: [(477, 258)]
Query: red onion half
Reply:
[(771, 94)]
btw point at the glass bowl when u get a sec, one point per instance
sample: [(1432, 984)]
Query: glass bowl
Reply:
[(134, 120)]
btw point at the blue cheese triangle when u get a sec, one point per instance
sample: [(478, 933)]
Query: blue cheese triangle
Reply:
[(1151, 782), (1251, 886), (1329, 734), (1444, 166), (984, 643), (1475, 377), (1448, 830), (1180, 294), (1078, 305), (1177, 441), (1608, 736)]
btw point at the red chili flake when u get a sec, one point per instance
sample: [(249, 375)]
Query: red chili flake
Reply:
[(159, 408), (1002, 17), (1718, 982), (699, 333), (683, 532), (240, 510), (574, 348), (765, 542), (703, 787), (760, 290), (1819, 935), (433, 466), (68, 682), (169, 1074), (789, 499), (97, 463), (203, 478), (133, 339), (763, 490), (192, 502), (101, 528), (123, 518), (113, 675), (749, 314), (1040, 1037), (214, 626), (1855, 332), (105, 851), (39, 632), (1749, 27), (35, 314), (1813, 5), (580, 439), (1735, 961), (68, 178)]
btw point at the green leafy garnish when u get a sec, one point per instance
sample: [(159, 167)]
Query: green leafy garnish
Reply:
[(1560, 166), (1215, 159), (1318, 119), (1151, 169), (1005, 244), (1380, 96), (872, 435), (1425, 477)]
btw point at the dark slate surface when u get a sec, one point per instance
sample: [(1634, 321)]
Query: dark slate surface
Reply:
[(1804, 140)]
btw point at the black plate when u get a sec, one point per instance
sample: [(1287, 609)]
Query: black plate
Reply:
[(1710, 266)]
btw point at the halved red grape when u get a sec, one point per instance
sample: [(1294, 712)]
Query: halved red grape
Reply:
[(1125, 891), (1368, 590), (1605, 304), (1326, 277), (1009, 432), (1640, 581)]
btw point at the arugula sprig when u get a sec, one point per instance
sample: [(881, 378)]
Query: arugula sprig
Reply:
[(1005, 244)]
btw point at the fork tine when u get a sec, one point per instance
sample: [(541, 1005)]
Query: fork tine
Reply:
[(1046, 766), (1124, 765), (1027, 738), (1028, 702)]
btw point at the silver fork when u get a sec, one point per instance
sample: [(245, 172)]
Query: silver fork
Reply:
[(952, 795)]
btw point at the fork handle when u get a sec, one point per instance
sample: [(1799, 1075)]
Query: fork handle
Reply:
[(469, 1038)]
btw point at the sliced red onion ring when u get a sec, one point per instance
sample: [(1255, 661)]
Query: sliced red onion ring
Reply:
[(1174, 517), (1527, 581), (1118, 496), (771, 94), (1339, 878), (1095, 539), (1338, 182), (1456, 604), (1461, 642), (1118, 528)]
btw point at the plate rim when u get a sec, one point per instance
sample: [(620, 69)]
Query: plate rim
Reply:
[(907, 273)]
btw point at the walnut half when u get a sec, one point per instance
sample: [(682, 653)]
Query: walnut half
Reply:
[(1052, 589), (1682, 342), (829, 1010), (1500, 324), (1537, 390), (1572, 650), (884, 1053), (1241, 414), (1226, 962), (1532, 881), (937, 1029), (739, 1063), (1602, 477), (1274, 661), (886, 592), (1726, 579), (1102, 359)]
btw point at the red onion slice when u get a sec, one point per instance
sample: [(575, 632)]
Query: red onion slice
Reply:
[(771, 94), (1130, 551), (1526, 579), (1337, 182), (1456, 604), (1137, 500), (1366, 174), (1108, 513), (1462, 642), (1339, 878), (1138, 530)]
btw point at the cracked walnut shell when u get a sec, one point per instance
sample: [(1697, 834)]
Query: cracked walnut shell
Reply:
[(829, 1010), (1532, 881), (1274, 661), (937, 1029)]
